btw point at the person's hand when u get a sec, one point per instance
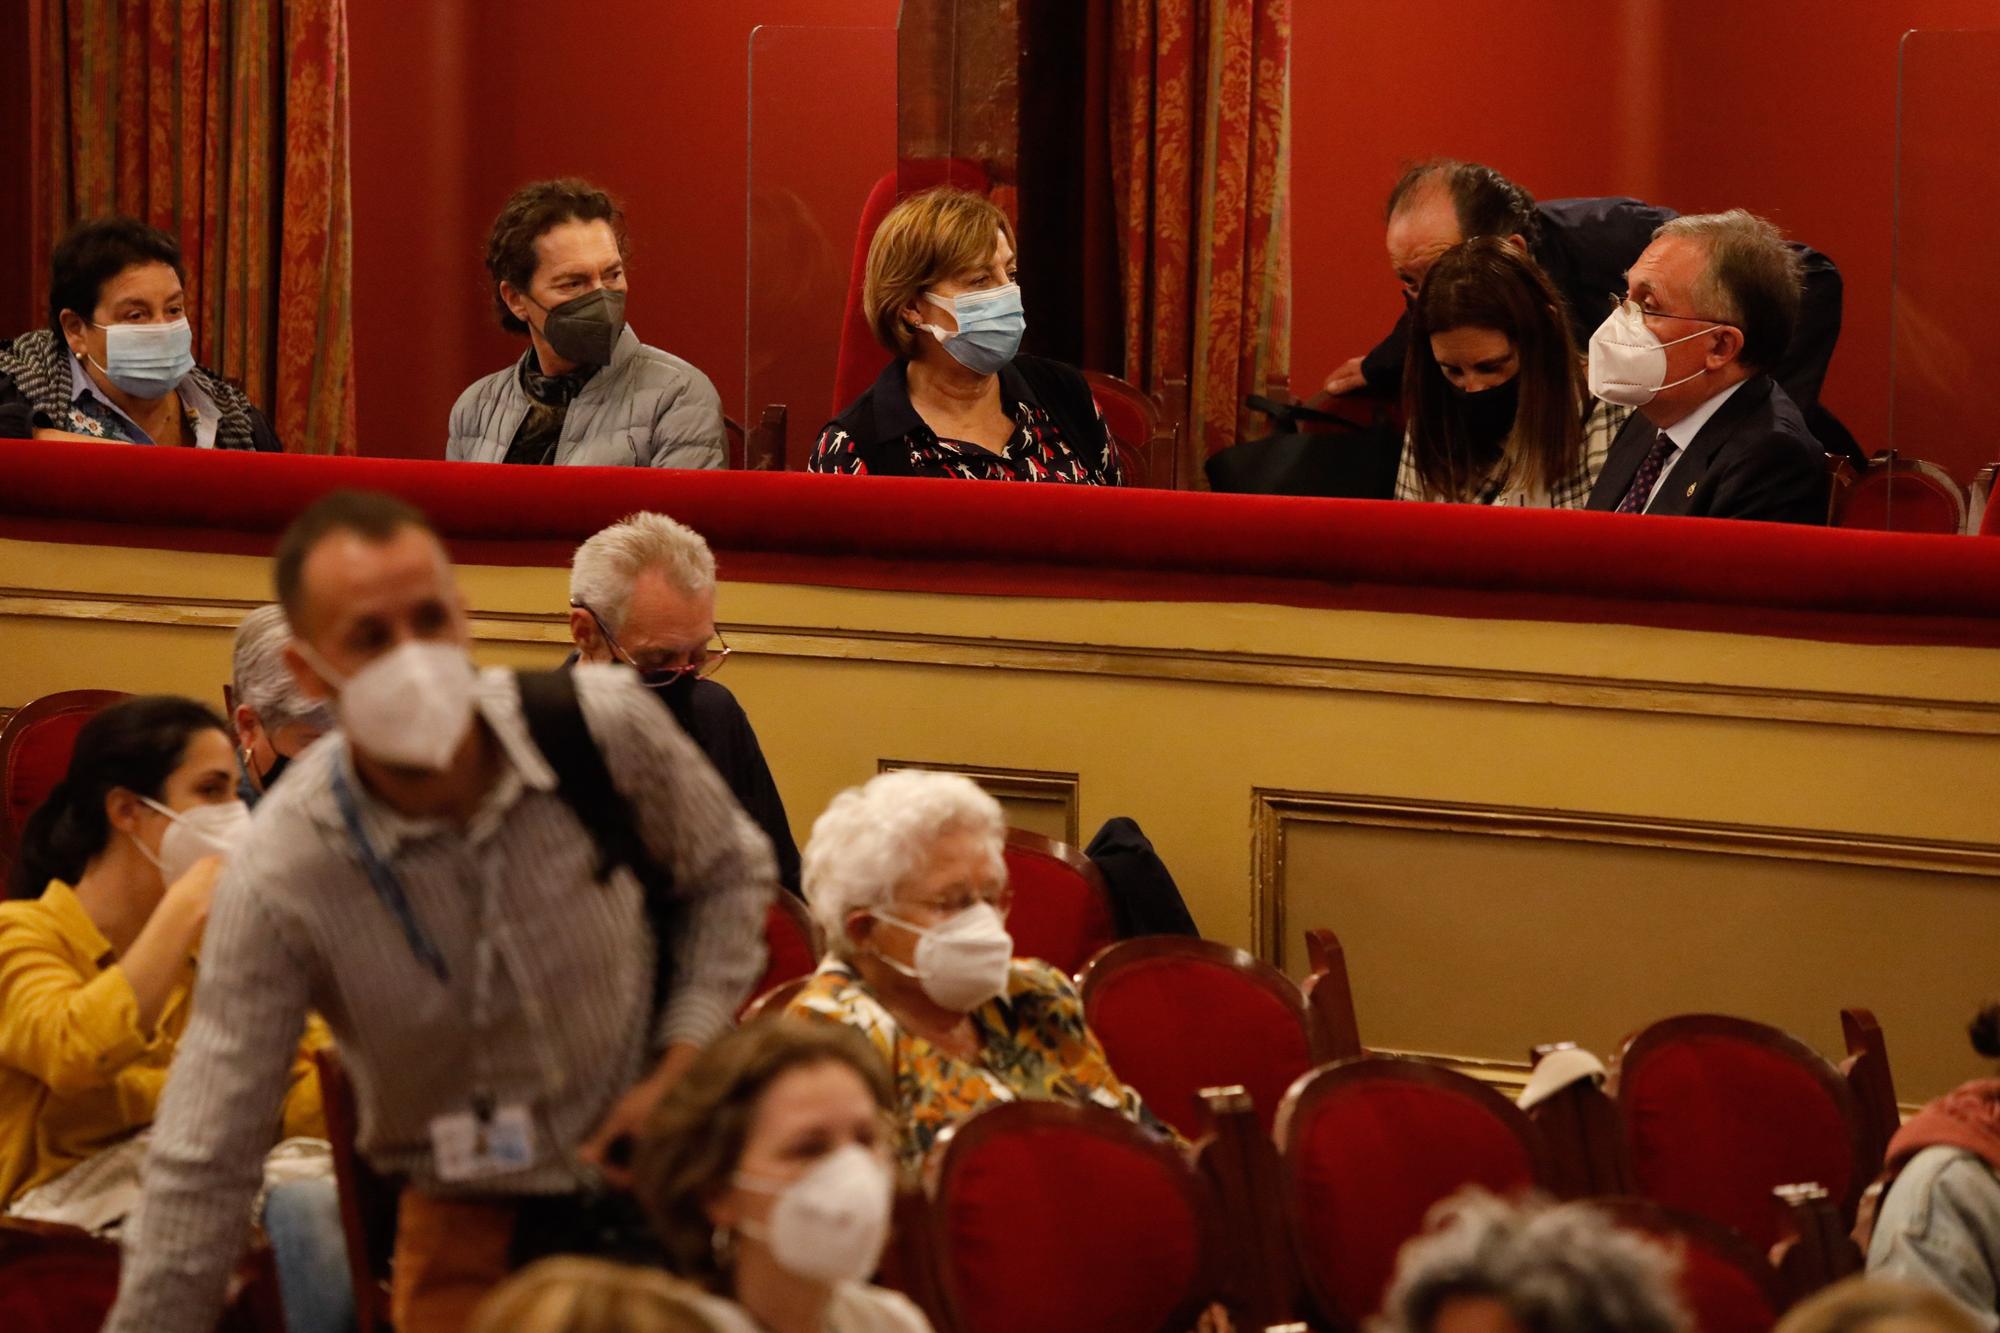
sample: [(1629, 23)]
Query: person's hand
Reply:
[(190, 895), (1346, 377), (609, 1149)]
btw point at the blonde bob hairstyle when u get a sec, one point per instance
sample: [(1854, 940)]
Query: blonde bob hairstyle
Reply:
[(574, 1294), (929, 238)]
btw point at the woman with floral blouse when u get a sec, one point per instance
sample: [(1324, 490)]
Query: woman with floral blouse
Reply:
[(906, 877)]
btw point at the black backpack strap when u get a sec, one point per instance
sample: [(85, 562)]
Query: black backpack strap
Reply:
[(555, 721)]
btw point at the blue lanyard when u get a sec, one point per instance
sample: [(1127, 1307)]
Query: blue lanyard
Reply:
[(387, 887)]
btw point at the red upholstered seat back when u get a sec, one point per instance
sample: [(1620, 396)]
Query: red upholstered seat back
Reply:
[(1720, 1111), (1062, 911), (1724, 1284), (861, 358), (34, 754), (1369, 1146), (1177, 1015), (790, 949), (56, 1286), (1904, 495), (1058, 1218)]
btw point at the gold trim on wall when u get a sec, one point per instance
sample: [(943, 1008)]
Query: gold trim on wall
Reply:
[(1288, 671), (1272, 809), (1018, 784)]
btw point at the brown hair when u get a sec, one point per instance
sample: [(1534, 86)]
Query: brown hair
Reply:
[(691, 1146), (1486, 283), (1753, 279), (369, 514), (929, 238), (1876, 1305), (574, 1294), (534, 209)]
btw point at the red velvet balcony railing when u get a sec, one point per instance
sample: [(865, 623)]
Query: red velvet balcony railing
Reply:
[(1060, 541)]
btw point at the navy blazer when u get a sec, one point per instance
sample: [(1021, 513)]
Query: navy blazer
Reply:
[(1753, 459)]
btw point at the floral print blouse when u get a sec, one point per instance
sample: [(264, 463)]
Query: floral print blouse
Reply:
[(1036, 1048)]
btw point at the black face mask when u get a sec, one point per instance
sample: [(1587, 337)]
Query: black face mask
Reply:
[(269, 777), (1489, 414)]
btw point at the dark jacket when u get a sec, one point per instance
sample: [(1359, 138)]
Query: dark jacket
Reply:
[(881, 421), (1753, 459), (1585, 247), (35, 391)]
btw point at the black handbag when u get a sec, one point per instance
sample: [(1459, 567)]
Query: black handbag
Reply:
[(1310, 453)]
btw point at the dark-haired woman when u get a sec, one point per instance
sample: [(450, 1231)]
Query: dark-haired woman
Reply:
[(1493, 388), (1939, 1223), (117, 360), (111, 892)]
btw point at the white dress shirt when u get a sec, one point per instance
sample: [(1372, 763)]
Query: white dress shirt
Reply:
[(1682, 433)]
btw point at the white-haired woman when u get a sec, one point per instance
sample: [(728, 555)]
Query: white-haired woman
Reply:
[(905, 877)]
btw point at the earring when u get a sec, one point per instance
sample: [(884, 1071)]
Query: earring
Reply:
[(722, 1241)]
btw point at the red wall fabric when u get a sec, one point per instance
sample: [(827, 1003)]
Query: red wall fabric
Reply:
[(1701, 105), (456, 102)]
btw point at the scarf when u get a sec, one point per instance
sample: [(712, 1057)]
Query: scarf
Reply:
[(39, 362), (1967, 1118)]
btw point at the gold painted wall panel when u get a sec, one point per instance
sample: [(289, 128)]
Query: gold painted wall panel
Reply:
[(1481, 946)]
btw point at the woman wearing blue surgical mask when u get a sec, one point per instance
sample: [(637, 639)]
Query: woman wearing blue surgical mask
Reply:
[(111, 890), (1493, 387), (117, 360), (905, 876), (960, 400)]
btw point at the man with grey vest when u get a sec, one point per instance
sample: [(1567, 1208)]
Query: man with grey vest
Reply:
[(586, 392)]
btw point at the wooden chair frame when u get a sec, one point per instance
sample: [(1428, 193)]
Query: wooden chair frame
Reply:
[(958, 1142), (773, 1001), (362, 1193), (1668, 1031), (1889, 467), (763, 447), (1662, 1222), (1866, 1070), (1328, 1081), (1585, 1131), (1331, 995), (19, 723), (1036, 844), (1165, 416), (1262, 1285)]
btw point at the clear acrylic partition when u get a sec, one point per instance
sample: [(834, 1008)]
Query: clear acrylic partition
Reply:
[(1947, 180), (822, 133)]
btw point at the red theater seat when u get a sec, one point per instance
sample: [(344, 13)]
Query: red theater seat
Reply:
[(1369, 1146), (1062, 906), (1144, 430), (1067, 1219), (1177, 1015), (1898, 494), (1726, 1286), (1721, 1111), (791, 947), (34, 754), (58, 1279)]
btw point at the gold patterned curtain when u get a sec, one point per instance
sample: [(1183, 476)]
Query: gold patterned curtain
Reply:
[(224, 123), (1201, 170)]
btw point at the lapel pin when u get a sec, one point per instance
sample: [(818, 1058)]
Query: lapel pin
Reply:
[(1691, 488)]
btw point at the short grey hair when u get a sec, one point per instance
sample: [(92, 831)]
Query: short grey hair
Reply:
[(1754, 279), (260, 679), (874, 837), (604, 568), (1564, 1268)]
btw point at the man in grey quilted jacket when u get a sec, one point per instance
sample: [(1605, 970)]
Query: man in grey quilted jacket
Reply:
[(586, 392)]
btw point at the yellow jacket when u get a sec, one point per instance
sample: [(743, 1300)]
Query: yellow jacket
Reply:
[(77, 1074)]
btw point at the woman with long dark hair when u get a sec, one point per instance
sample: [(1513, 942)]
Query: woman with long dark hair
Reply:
[(111, 895), (1493, 387)]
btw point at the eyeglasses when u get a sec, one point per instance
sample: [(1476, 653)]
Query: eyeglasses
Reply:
[(1000, 900), (702, 663), (1633, 309)]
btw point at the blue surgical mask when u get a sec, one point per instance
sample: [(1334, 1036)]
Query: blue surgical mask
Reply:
[(147, 360), (990, 325)]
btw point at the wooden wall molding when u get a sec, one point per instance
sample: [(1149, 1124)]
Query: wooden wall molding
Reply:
[(1288, 671), (1041, 786), (1271, 810)]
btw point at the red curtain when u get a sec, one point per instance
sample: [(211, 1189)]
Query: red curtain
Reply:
[(1201, 145), (224, 123)]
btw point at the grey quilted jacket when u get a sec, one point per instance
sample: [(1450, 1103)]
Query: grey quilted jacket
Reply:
[(648, 408)]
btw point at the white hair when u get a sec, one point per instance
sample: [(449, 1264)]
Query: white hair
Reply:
[(1564, 1268), (261, 680), (604, 568), (874, 837)]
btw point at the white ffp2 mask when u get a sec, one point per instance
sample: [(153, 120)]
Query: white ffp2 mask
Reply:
[(201, 830), (831, 1223), (409, 707), (1628, 362), (964, 962)]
